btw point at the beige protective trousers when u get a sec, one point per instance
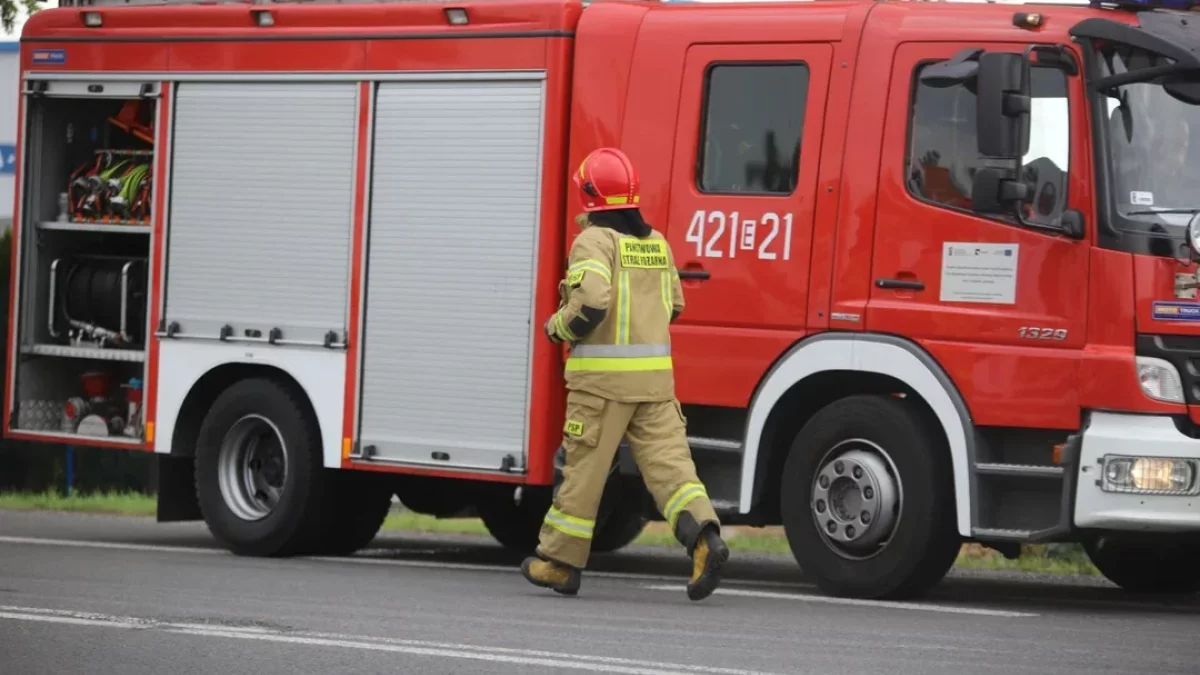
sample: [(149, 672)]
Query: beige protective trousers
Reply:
[(593, 430)]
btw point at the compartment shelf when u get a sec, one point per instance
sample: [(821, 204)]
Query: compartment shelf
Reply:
[(121, 227), (95, 353)]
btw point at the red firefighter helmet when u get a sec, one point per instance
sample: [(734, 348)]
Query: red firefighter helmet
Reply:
[(607, 180)]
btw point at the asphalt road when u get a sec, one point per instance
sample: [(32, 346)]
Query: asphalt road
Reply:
[(95, 594)]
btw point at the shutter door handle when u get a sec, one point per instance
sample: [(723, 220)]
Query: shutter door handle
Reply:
[(901, 284), (694, 274)]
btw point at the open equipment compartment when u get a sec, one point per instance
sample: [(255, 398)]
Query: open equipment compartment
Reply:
[(86, 223)]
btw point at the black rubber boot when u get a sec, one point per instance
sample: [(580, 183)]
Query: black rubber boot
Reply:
[(708, 557), (559, 578)]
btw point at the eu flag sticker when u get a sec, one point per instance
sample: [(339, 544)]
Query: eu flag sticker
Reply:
[(49, 57), (1176, 311)]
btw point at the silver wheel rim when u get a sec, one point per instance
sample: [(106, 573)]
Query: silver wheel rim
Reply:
[(857, 499), (252, 467)]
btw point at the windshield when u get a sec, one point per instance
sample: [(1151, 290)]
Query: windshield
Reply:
[(1153, 160)]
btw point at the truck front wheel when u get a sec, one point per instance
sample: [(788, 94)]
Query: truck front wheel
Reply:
[(867, 499), (1143, 564), (259, 479)]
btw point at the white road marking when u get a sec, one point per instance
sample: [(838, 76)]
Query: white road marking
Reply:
[(361, 559), (116, 545), (917, 606), (526, 657)]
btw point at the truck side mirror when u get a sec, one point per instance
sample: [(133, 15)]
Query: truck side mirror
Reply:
[(992, 191), (1003, 104), (1002, 84)]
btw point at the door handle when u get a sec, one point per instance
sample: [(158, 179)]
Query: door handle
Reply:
[(901, 284), (694, 273)]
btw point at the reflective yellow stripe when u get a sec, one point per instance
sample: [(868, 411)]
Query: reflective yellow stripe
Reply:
[(561, 330), (622, 351), (591, 265), (682, 497), (570, 525), (623, 199), (623, 309), (622, 364), (665, 284)]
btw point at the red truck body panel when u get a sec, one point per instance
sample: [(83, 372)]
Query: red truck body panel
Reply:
[(627, 74)]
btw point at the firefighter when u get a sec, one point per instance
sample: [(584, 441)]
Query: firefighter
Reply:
[(618, 299)]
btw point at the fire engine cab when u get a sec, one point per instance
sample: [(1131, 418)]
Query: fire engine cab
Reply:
[(939, 262)]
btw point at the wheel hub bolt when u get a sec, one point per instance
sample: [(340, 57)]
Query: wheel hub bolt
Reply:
[(831, 526), (858, 472), (850, 532), (868, 492), (820, 506), (823, 482), (839, 467), (865, 518)]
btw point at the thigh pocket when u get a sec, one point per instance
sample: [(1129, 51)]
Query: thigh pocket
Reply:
[(585, 413), (679, 411)]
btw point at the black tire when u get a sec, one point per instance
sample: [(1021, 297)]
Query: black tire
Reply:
[(622, 526), (1140, 564), (359, 504), (924, 541), (515, 526), (293, 524)]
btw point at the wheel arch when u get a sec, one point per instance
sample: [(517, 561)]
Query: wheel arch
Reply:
[(835, 365), (204, 392), (193, 373)]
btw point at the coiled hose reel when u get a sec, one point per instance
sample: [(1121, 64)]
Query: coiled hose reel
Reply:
[(101, 299)]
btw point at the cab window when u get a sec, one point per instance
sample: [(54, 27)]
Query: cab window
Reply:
[(753, 121), (943, 155)]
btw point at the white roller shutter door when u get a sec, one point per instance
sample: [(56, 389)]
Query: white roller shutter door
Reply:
[(260, 218), (455, 203)]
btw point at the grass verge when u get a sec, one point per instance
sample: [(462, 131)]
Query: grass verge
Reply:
[(1062, 559)]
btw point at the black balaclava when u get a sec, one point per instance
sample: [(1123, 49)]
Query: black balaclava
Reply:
[(625, 221)]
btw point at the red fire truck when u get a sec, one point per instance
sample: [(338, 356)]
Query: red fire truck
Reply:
[(938, 258)]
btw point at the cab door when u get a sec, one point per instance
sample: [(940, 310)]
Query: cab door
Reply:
[(743, 186), (956, 280)]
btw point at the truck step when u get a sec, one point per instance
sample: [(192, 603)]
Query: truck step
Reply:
[(714, 444), (1018, 536), (1022, 470)]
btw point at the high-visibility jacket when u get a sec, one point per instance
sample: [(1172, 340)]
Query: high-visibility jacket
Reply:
[(620, 295)]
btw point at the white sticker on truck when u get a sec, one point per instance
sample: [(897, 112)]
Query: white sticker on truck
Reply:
[(979, 272)]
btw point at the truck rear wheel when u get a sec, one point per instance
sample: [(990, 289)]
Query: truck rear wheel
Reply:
[(1140, 564), (259, 479), (618, 530), (359, 503), (515, 525), (867, 500)]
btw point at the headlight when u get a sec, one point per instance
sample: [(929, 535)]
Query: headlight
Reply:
[(1193, 233), (1149, 475), (1159, 379)]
